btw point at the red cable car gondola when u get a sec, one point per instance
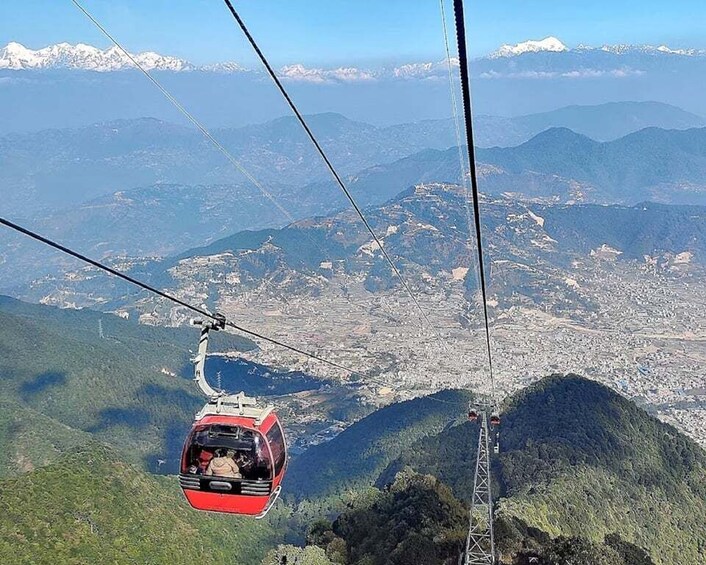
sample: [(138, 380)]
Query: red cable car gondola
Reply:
[(495, 419), (235, 456), (472, 413)]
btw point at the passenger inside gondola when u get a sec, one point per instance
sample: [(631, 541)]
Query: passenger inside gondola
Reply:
[(204, 458), (230, 452), (224, 465), (246, 464)]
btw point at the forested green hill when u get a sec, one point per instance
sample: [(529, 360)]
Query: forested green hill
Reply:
[(416, 519), (29, 439), (90, 507), (584, 476), (579, 461), (357, 456), (60, 378)]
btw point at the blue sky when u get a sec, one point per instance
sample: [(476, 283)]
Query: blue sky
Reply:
[(355, 32)]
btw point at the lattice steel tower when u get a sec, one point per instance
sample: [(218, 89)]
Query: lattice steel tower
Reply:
[(480, 544)]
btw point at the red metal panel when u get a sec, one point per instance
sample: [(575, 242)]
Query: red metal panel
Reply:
[(228, 503)]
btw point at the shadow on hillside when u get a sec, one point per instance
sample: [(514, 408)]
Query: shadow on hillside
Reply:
[(42, 382), (167, 461), (174, 409), (163, 397), (134, 418)]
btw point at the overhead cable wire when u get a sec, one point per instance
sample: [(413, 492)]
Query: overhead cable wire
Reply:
[(452, 89), (201, 311), (328, 163), (457, 128), (180, 107), (457, 131), (467, 198), (468, 118), (207, 134), (170, 297)]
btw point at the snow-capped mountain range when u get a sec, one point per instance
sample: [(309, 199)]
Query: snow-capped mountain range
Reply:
[(15, 56), (552, 44), (531, 46)]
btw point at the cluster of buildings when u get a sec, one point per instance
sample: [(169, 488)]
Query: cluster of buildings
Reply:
[(646, 339)]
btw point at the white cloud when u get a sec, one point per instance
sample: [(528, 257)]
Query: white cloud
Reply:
[(574, 74), (520, 74), (583, 73), (597, 73), (226, 68), (619, 73)]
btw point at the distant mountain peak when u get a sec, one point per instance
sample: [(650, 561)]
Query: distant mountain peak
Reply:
[(554, 45), (551, 44), (16, 56), (623, 49), (559, 134), (16, 48)]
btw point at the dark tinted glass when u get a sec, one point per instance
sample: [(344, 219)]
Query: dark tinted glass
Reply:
[(275, 437), (244, 447)]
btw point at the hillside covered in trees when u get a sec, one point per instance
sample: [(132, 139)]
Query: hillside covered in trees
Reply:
[(88, 506), (581, 472), (68, 375), (89, 401)]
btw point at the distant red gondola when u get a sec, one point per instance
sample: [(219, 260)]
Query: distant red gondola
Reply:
[(494, 420), (235, 457)]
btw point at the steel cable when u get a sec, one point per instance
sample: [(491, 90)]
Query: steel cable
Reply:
[(468, 118), (329, 165), (156, 291)]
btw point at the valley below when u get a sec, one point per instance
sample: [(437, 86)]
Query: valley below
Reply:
[(595, 259), (646, 340), (564, 297)]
